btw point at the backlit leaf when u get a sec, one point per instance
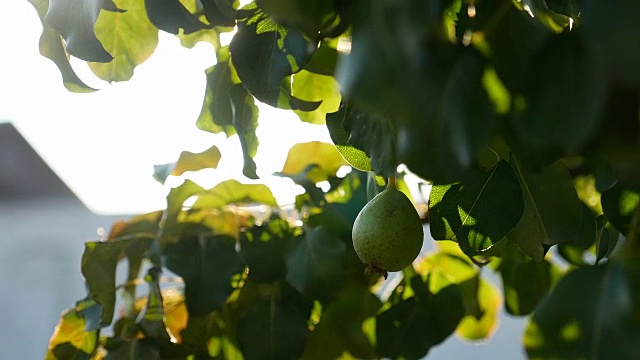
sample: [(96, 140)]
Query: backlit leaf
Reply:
[(473, 328), (188, 161), (315, 87), (128, 36), (325, 156), (70, 339), (234, 192)]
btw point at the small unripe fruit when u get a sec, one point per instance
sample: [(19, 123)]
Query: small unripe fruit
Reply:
[(387, 233)]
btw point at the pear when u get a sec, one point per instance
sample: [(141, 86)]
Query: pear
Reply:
[(387, 233)]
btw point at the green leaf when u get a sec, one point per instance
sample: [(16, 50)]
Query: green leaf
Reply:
[(172, 16), (310, 17), (563, 98), (273, 329), (99, 262), (341, 326), (175, 200), (315, 263), (228, 107), (220, 12), (245, 123), (207, 264), (324, 157), (606, 238), (479, 211), (52, 47), (482, 327), (575, 250), (128, 36), (411, 327), (71, 340), (262, 247), (152, 321), (75, 20), (552, 210), (314, 87), (234, 192), (266, 54), (366, 140), (589, 314), (525, 282), (618, 204), (540, 10), (188, 161)]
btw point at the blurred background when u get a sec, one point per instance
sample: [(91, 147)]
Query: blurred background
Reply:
[(72, 164)]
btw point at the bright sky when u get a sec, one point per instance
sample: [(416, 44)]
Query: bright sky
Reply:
[(104, 144)]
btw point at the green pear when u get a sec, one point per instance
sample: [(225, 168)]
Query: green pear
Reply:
[(387, 233)]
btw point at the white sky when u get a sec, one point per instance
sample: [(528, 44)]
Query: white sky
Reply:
[(104, 144)]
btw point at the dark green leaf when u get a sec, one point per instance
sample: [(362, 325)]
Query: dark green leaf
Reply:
[(563, 98), (618, 204), (207, 264), (52, 47), (589, 314), (188, 161), (479, 211), (324, 60), (341, 325), (315, 263), (245, 122), (539, 10), (220, 12), (99, 262), (152, 321), (74, 20), (574, 251), (552, 210), (266, 54), (262, 248), (606, 238), (525, 282), (611, 30), (411, 327), (171, 16), (273, 329), (308, 16), (366, 140)]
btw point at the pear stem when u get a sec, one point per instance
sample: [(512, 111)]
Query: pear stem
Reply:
[(392, 182)]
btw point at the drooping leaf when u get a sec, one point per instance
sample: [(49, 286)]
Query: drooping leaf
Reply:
[(152, 321), (207, 263), (266, 54), (52, 47), (552, 210), (411, 327), (574, 251), (618, 204), (245, 122), (589, 314), (324, 157), (128, 36), (315, 263), (75, 20), (312, 87), (263, 246), (479, 211), (171, 16), (99, 262), (233, 192), (188, 161), (275, 328), (71, 339)]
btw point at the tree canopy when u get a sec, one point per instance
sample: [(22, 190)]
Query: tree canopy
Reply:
[(520, 116)]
